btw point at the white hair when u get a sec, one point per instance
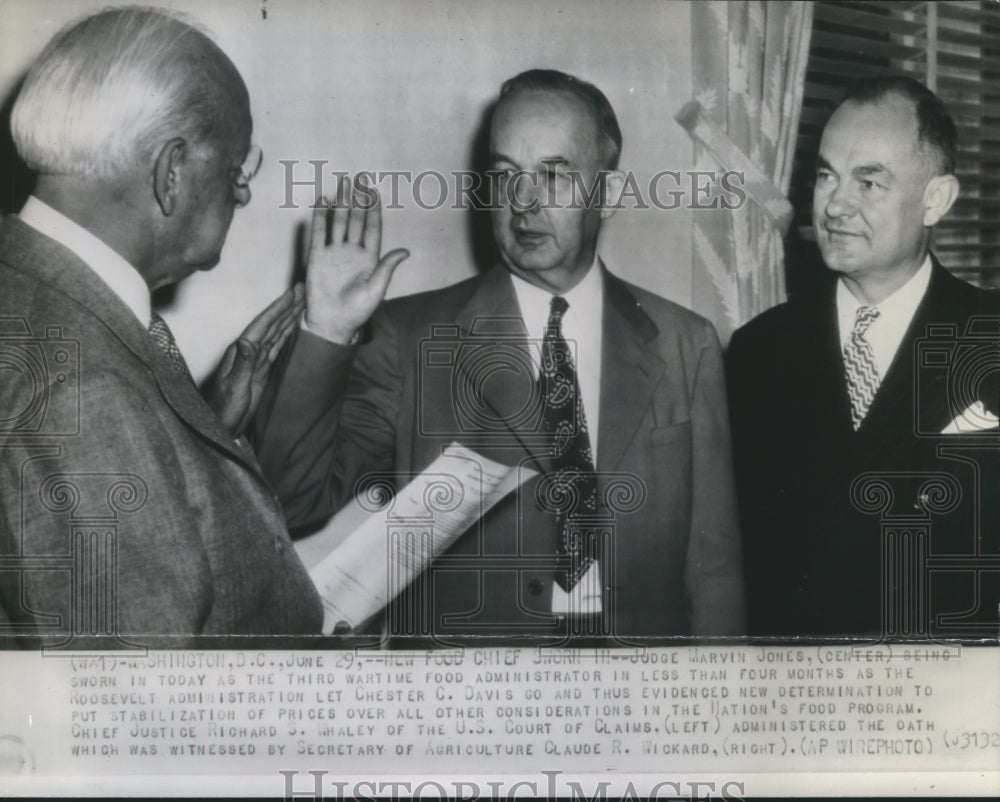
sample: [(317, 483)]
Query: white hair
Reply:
[(112, 87)]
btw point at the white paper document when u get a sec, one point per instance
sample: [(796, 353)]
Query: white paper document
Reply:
[(373, 548)]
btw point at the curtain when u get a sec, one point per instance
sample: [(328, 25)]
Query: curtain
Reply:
[(748, 72)]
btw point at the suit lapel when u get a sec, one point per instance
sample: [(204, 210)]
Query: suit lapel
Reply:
[(825, 375), (62, 270), (630, 370), (493, 316), (892, 413)]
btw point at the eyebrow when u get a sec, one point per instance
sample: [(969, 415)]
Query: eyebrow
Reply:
[(861, 171), (876, 169), (546, 161)]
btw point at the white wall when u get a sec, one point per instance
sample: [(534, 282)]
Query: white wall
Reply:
[(402, 85)]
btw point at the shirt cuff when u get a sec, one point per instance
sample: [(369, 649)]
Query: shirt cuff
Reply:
[(355, 338)]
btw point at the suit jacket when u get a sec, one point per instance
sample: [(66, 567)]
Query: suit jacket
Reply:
[(112, 459), (877, 532), (391, 405)]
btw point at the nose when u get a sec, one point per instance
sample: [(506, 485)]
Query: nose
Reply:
[(840, 203), (524, 193)]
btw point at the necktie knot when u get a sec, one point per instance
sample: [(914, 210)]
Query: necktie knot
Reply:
[(863, 318), (557, 308)]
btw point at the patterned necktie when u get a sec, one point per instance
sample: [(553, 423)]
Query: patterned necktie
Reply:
[(160, 332), (859, 365), (571, 478)]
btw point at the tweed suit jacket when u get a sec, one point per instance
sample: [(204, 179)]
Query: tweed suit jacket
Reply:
[(387, 406), (111, 458)]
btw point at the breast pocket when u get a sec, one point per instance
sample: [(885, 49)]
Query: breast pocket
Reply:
[(670, 435)]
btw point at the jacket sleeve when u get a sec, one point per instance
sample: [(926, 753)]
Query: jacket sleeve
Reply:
[(714, 571), (330, 419)]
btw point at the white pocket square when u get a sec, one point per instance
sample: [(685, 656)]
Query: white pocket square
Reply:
[(976, 418)]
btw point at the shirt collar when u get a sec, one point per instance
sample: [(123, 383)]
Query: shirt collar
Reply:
[(584, 299), (121, 277), (896, 311)]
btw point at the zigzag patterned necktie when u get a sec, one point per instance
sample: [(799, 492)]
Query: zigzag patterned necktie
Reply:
[(164, 337), (572, 476), (859, 365)]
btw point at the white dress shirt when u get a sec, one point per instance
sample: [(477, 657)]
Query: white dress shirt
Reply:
[(109, 265), (895, 314), (583, 331)]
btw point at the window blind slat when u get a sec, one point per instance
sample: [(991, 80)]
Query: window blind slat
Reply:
[(865, 47), (860, 18)]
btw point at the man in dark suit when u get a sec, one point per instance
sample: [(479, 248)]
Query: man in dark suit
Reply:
[(864, 416), (129, 508), (613, 396)]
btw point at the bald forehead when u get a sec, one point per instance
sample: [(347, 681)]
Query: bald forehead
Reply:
[(896, 115), (560, 109), (892, 120)]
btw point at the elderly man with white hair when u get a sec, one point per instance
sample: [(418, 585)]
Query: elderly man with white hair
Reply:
[(131, 508)]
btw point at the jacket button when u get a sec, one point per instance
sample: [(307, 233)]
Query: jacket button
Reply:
[(535, 586)]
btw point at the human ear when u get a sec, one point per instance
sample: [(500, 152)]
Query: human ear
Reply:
[(939, 196), (614, 185), (167, 171)]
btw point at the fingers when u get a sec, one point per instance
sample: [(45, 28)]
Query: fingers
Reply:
[(384, 269), (280, 334), (279, 341), (317, 232), (341, 211), (373, 221), (359, 202), (352, 214), (282, 317), (245, 363), (226, 365), (273, 315)]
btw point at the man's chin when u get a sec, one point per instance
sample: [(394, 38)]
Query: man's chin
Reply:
[(188, 269), (838, 259), (528, 261), (208, 265)]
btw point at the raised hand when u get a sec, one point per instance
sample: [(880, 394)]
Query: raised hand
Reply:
[(345, 278), (239, 381)]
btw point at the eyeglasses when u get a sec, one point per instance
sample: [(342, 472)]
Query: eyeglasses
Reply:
[(244, 174)]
